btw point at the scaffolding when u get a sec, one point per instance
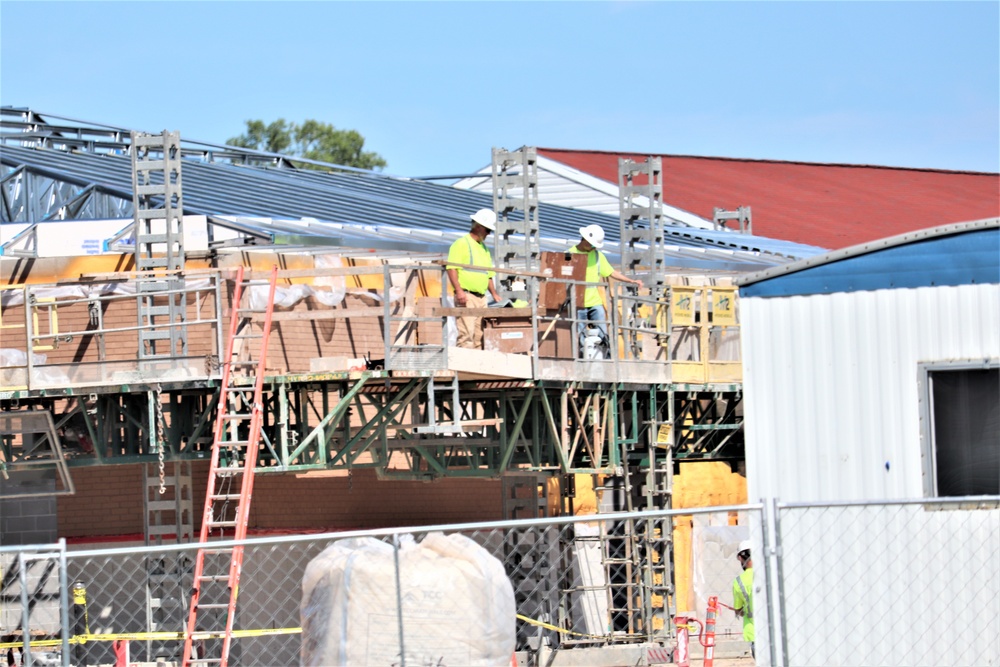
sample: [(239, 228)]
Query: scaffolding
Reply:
[(402, 401), (515, 201)]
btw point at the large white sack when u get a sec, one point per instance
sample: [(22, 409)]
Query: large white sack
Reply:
[(458, 605)]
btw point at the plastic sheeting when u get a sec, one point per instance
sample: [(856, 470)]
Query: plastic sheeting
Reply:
[(457, 604), (714, 568), (328, 290), (15, 297), (13, 366)]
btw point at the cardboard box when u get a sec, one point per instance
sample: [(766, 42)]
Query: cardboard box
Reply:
[(559, 341), (330, 364), (510, 339), (564, 266), (514, 336), (430, 332)]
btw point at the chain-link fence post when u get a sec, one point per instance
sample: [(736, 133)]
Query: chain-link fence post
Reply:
[(399, 599), (64, 602), (22, 572), (776, 608)]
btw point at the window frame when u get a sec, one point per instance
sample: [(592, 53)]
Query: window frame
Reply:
[(928, 432)]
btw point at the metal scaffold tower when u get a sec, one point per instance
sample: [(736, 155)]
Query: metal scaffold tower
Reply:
[(640, 208), (640, 213), (158, 209), (741, 215), (515, 188), (169, 520)]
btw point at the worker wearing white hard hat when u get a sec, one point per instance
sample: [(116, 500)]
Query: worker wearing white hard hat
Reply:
[(594, 314), (743, 593), (471, 284)]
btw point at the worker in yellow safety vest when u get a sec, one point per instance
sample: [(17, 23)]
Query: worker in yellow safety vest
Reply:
[(743, 593), (593, 313), (471, 285)]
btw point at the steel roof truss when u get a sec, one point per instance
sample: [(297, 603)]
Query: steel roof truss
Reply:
[(24, 243)]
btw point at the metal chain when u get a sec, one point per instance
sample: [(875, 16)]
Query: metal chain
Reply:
[(159, 438)]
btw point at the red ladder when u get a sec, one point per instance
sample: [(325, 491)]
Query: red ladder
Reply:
[(237, 436)]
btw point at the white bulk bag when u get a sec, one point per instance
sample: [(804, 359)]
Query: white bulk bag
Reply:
[(458, 605)]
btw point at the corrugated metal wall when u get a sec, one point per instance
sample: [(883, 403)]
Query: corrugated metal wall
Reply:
[(831, 393)]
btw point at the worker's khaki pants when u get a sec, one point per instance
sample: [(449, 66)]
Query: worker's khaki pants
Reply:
[(470, 329)]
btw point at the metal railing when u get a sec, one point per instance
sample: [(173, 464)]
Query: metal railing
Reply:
[(73, 334)]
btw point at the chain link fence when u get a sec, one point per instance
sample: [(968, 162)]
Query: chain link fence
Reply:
[(903, 583), (468, 594), (890, 583)]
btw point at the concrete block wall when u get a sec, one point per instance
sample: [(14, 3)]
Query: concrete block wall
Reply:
[(30, 519)]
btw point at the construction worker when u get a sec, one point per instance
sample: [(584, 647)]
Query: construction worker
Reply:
[(598, 269), (471, 285), (743, 593)]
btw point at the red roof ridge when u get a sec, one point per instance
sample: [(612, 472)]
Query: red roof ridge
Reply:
[(767, 161)]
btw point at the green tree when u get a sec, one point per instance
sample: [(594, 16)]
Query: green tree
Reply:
[(312, 140)]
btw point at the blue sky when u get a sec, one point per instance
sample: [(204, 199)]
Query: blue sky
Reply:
[(432, 86)]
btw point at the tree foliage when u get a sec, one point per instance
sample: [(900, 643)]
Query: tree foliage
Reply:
[(312, 140)]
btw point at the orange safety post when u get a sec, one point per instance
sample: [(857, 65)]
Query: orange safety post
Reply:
[(708, 637), (121, 652), (682, 651)]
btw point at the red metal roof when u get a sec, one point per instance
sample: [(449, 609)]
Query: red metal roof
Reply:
[(826, 205)]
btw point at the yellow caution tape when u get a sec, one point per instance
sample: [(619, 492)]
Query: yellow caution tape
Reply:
[(153, 636), (238, 634), (549, 626)]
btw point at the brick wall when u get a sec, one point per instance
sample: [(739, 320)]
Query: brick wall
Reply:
[(118, 346), (335, 500), (108, 501), (293, 343)]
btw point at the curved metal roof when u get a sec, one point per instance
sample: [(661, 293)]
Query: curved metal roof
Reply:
[(957, 254)]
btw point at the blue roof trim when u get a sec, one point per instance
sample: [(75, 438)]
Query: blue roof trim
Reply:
[(970, 257)]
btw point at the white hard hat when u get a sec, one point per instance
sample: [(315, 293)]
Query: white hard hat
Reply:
[(744, 546), (486, 218), (593, 234)]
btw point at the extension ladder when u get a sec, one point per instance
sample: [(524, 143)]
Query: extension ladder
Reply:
[(237, 436)]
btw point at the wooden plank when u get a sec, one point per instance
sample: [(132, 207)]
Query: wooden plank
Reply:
[(465, 423), (495, 269), (489, 363), (331, 271), (499, 313), (332, 314), (466, 443)]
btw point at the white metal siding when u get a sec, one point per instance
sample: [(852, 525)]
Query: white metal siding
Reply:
[(830, 386)]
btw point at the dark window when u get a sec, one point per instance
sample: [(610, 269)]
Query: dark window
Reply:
[(966, 411)]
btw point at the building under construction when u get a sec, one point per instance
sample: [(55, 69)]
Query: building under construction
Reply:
[(182, 319)]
